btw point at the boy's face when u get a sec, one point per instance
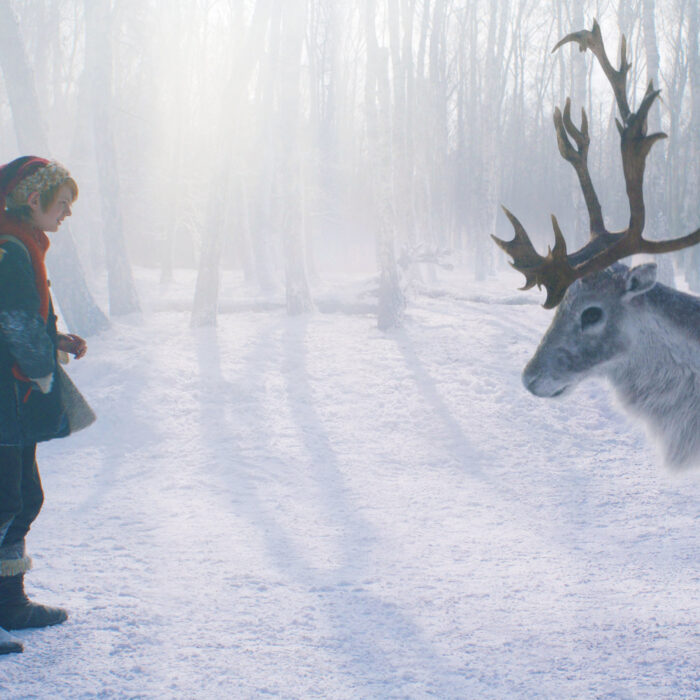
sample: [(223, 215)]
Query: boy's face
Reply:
[(52, 217)]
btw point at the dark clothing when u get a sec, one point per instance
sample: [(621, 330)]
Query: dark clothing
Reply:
[(28, 351), (21, 495), (37, 399), (27, 415)]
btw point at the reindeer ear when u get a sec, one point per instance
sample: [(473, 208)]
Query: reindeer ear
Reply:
[(639, 280)]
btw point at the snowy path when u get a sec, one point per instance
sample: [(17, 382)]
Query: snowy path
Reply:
[(308, 508)]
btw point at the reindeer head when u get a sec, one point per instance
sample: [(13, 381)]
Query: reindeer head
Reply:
[(590, 330)]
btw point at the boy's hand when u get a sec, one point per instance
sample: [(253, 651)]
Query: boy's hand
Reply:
[(73, 344)]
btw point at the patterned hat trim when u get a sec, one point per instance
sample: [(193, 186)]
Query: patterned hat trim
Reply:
[(44, 178)]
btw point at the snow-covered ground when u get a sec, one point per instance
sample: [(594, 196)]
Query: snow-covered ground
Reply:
[(310, 508)]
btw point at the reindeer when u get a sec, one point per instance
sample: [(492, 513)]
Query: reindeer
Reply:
[(613, 321)]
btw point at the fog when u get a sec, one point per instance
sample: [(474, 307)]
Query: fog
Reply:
[(290, 141)]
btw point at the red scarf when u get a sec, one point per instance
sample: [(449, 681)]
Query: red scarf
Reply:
[(36, 243)]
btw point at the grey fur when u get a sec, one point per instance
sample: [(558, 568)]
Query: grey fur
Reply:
[(646, 343)]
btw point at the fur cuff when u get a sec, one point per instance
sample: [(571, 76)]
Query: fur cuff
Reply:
[(12, 567)]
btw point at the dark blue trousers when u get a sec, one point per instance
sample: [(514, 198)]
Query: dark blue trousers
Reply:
[(21, 498)]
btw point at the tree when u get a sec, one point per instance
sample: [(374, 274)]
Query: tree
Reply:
[(654, 177), (123, 298), (233, 97), (378, 117), (693, 138), (293, 14)]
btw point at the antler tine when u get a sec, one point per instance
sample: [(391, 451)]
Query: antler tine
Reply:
[(579, 160), (568, 152), (560, 273), (635, 146), (639, 122), (593, 40), (553, 271), (525, 258), (624, 64), (658, 247), (580, 136)]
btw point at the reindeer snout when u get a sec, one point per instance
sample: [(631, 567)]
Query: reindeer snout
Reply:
[(545, 376), (533, 385), (529, 379)]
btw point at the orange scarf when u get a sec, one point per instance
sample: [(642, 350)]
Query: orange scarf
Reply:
[(37, 243)]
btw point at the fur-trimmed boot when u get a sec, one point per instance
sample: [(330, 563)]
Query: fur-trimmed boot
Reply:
[(17, 612), (8, 644)]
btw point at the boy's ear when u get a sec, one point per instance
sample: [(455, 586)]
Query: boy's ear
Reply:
[(34, 200)]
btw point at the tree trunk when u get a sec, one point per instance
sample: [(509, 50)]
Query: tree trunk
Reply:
[(654, 175), (293, 16), (206, 298), (391, 303), (123, 298), (693, 135), (489, 151)]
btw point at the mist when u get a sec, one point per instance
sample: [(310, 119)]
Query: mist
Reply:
[(315, 471), (291, 142)]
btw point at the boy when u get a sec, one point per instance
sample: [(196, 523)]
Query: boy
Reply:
[(37, 400)]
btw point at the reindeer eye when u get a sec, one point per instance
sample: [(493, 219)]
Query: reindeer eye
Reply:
[(591, 316)]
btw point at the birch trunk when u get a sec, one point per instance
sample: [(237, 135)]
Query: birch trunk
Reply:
[(693, 135), (293, 16), (391, 302), (206, 298), (123, 298), (653, 194)]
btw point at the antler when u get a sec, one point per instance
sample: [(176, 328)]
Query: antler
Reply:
[(557, 270), (593, 40)]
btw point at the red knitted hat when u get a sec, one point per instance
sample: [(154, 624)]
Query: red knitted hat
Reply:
[(13, 172), (28, 174)]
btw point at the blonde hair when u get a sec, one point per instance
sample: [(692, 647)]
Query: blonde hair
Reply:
[(47, 180)]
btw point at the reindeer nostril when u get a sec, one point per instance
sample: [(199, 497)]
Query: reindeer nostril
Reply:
[(530, 381)]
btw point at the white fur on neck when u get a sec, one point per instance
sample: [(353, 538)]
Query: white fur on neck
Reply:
[(659, 380)]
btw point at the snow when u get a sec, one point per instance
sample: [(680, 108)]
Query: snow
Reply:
[(310, 508)]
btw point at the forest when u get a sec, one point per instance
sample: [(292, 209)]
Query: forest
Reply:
[(316, 471), (286, 141)]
